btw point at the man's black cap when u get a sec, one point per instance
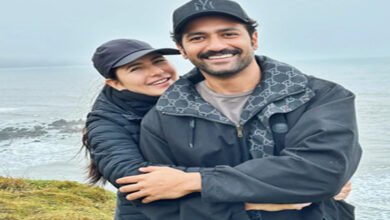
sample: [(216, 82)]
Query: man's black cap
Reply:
[(116, 53), (198, 8)]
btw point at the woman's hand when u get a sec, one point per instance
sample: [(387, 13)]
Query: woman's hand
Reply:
[(343, 194), (347, 188), (274, 207)]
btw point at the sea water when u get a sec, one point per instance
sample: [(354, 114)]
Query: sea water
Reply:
[(42, 112)]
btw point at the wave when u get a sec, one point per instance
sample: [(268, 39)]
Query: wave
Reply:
[(36, 130), (4, 110)]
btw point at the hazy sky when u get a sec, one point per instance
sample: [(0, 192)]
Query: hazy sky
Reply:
[(42, 32)]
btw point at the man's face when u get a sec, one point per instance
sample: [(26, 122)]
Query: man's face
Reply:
[(218, 45)]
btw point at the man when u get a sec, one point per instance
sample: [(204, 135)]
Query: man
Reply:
[(220, 115)]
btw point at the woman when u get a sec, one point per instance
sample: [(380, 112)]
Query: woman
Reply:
[(136, 75)]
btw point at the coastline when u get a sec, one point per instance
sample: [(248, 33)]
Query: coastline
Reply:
[(71, 170)]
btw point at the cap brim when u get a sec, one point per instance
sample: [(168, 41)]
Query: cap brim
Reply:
[(134, 56)]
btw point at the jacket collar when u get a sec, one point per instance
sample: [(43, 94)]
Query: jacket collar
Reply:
[(279, 81), (109, 101)]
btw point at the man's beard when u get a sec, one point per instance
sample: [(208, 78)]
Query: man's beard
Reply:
[(240, 64)]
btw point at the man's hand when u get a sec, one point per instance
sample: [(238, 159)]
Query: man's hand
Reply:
[(343, 194), (159, 183), (274, 207), (347, 188)]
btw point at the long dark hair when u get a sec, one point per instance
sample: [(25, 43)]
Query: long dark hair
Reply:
[(94, 176)]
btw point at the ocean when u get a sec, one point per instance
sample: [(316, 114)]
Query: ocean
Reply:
[(42, 111)]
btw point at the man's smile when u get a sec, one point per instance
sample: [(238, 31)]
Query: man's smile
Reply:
[(220, 56)]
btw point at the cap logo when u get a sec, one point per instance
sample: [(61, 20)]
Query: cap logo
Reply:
[(203, 5)]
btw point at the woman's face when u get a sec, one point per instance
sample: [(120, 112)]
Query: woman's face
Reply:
[(151, 75)]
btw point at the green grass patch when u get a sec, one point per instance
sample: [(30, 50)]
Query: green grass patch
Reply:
[(22, 199)]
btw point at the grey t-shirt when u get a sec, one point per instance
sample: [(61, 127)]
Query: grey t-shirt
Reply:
[(229, 105)]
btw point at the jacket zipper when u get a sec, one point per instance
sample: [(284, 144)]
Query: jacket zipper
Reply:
[(242, 142), (240, 131), (191, 135)]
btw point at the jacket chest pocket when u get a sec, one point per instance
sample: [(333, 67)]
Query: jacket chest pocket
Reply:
[(207, 144)]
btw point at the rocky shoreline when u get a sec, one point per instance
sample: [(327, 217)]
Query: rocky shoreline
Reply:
[(60, 126)]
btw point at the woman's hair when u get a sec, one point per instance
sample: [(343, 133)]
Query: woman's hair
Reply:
[(112, 74), (94, 176)]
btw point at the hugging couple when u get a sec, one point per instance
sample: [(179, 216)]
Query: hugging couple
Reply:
[(239, 137)]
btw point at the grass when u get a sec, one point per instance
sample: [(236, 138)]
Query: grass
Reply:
[(54, 200)]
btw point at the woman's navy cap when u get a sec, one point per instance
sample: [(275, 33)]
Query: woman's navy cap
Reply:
[(116, 53), (198, 8)]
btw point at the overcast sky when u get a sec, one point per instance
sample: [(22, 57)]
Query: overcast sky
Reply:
[(49, 32)]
